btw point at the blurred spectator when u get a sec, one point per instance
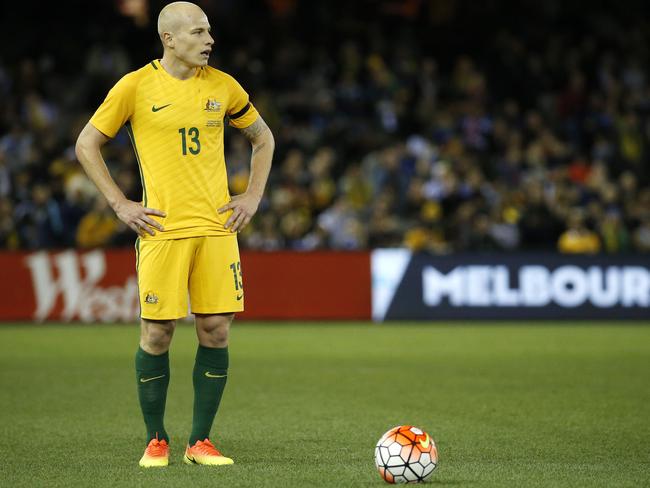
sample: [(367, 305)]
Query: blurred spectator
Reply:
[(8, 232), (342, 225), (615, 235), (265, 236), (98, 227), (642, 236), (577, 239), (39, 220), (5, 177)]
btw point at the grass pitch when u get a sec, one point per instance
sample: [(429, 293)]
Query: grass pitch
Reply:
[(522, 405)]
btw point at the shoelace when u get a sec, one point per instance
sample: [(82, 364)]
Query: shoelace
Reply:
[(206, 447), (156, 448)]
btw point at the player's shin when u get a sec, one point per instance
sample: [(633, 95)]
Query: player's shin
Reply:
[(209, 378), (152, 375)]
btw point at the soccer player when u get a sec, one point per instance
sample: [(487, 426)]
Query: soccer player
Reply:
[(174, 110)]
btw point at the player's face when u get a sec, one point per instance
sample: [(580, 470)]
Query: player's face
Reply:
[(194, 43)]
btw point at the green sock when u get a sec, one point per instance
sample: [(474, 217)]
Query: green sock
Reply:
[(152, 375), (210, 375)]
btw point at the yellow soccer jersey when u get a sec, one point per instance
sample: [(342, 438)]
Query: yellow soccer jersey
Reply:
[(176, 127)]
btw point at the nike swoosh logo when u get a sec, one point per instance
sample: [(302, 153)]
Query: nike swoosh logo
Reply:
[(144, 380), (425, 442), (210, 375), (155, 109), (239, 297)]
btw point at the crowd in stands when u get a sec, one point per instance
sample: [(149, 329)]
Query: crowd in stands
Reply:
[(511, 139)]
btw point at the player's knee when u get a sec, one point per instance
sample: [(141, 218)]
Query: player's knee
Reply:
[(213, 330), (156, 336), (220, 335)]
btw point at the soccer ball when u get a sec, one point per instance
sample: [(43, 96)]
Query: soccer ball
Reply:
[(406, 454)]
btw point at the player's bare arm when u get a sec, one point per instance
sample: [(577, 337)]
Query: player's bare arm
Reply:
[(245, 205), (133, 214)]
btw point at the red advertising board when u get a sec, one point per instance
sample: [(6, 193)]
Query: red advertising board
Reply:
[(101, 285), (314, 285)]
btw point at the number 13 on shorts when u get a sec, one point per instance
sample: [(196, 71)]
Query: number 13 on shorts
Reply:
[(237, 279)]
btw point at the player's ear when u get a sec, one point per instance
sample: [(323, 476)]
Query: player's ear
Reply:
[(168, 39)]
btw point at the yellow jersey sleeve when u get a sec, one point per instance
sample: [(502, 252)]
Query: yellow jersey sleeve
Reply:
[(118, 107), (241, 112)]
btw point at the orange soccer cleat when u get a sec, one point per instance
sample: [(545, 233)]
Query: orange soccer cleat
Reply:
[(204, 452), (156, 454)]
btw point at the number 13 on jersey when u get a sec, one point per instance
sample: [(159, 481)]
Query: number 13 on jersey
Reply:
[(191, 134)]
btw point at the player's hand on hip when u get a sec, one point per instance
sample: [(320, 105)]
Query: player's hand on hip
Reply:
[(136, 216), (243, 208)]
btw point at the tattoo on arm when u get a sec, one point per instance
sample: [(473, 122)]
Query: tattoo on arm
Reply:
[(258, 147), (253, 131)]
